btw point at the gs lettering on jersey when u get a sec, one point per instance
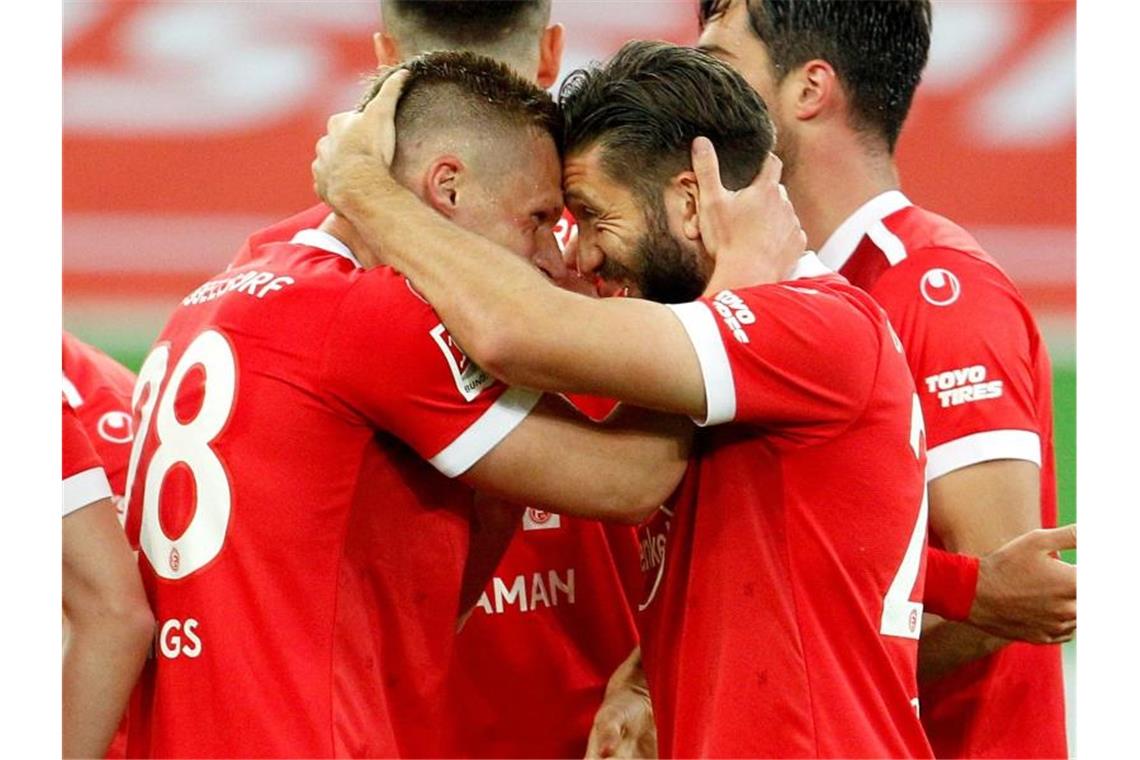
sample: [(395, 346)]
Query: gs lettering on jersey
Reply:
[(178, 489), (179, 638)]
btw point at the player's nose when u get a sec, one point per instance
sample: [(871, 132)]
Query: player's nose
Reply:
[(548, 258)]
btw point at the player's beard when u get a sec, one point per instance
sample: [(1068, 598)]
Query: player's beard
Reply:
[(671, 272)]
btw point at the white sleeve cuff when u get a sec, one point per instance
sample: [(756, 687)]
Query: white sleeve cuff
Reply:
[(487, 432), (982, 447), (85, 488), (720, 390)]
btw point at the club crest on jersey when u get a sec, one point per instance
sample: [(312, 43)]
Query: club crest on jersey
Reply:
[(940, 287), (115, 427), (536, 519), (469, 378)]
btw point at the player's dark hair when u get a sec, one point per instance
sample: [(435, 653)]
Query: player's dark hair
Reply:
[(878, 49), (478, 91), (647, 104), (469, 23)]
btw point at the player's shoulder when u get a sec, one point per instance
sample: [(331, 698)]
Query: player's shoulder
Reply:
[(88, 369), (943, 265)]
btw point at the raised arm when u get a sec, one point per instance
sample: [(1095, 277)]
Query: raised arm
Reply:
[(509, 319)]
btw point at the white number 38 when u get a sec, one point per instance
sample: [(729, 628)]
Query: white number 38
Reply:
[(186, 443)]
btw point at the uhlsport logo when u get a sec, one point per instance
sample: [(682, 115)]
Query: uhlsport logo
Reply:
[(115, 427), (940, 287)]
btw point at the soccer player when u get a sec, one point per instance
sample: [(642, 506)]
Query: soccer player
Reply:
[(784, 622), (109, 625), (304, 561), (99, 390), (533, 660), (839, 78)]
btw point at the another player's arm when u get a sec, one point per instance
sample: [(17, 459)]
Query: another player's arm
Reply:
[(109, 629), (619, 470), (507, 317), (977, 510), (493, 526)]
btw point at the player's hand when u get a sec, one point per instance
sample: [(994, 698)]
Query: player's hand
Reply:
[(753, 234), (357, 149), (623, 726), (1025, 592)]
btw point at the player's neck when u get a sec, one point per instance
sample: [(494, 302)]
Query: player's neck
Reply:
[(342, 230), (831, 180)]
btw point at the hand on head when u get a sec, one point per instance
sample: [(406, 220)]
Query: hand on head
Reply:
[(356, 143), (753, 233)]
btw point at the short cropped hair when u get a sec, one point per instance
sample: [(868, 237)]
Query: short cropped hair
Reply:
[(647, 104), (452, 87), (482, 25), (878, 49)]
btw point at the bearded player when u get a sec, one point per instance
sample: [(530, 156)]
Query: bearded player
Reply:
[(299, 422), (839, 78), (793, 565)]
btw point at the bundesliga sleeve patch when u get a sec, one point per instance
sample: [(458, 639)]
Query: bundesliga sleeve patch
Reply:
[(470, 379)]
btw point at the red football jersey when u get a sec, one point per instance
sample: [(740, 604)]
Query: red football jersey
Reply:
[(780, 614), (99, 389), (983, 373), (302, 559), (532, 661), (84, 480)]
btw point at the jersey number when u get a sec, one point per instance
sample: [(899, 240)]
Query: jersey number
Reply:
[(188, 444), (901, 616)]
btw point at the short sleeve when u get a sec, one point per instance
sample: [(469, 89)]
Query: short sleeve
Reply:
[(796, 357), (84, 481), (390, 359), (970, 342)]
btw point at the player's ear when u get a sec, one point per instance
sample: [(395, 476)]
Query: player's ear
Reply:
[(387, 51), (441, 184), (813, 88), (683, 196), (550, 55)]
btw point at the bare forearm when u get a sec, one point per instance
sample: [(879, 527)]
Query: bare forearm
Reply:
[(515, 324), (946, 646), (101, 662)]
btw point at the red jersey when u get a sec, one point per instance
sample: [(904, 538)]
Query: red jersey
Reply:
[(780, 614), (532, 662), (303, 561), (99, 389), (84, 480), (983, 373)]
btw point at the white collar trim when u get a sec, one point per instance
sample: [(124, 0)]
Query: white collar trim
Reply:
[(320, 239), (809, 265), (843, 242)]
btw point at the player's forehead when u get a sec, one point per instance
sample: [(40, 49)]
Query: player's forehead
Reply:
[(729, 35), (536, 172), (585, 181)]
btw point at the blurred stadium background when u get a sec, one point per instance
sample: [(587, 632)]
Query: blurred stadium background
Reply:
[(187, 125)]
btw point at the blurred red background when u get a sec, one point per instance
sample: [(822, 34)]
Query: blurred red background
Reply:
[(189, 124)]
